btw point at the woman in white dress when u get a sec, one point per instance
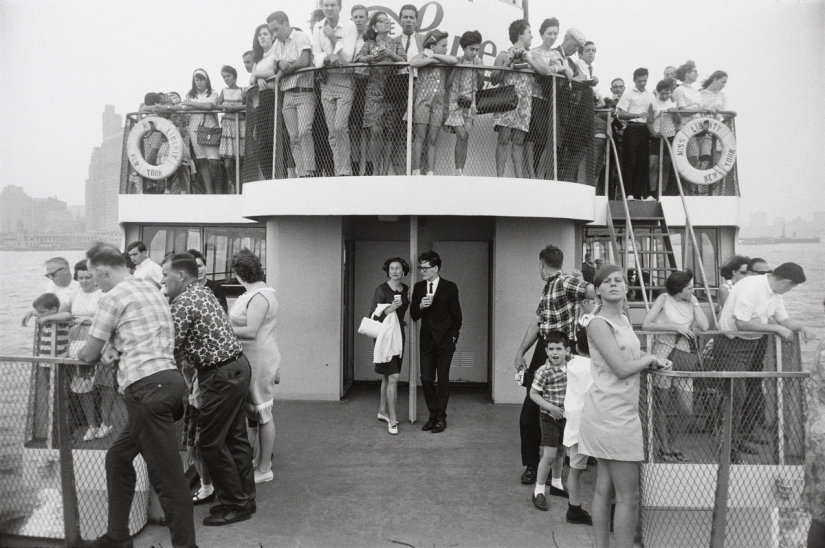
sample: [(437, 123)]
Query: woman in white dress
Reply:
[(233, 124), (254, 318)]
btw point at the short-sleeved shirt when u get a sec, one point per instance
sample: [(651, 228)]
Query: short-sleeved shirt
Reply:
[(557, 308), (634, 101), (346, 47), (752, 299), (291, 51), (551, 381), (149, 270), (203, 334), (64, 294), (135, 319)]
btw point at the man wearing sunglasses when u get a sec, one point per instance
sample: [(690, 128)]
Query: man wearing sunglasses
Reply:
[(60, 283), (758, 267)]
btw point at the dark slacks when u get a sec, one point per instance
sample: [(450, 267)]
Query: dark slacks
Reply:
[(224, 444), (529, 421), (741, 355), (154, 404), (634, 160), (435, 361)]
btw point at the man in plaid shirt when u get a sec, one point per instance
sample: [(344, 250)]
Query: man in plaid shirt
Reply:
[(134, 317), (560, 299)]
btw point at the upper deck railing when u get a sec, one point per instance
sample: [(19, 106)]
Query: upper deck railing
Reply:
[(386, 119)]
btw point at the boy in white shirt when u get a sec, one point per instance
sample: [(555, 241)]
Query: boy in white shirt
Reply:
[(661, 122), (579, 379)]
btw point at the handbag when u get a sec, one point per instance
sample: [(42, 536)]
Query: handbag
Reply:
[(209, 136), (369, 327), (684, 361), (500, 99)]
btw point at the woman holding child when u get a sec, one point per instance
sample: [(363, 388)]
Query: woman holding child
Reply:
[(611, 429), (395, 296)]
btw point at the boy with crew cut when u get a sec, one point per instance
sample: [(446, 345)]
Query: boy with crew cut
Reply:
[(548, 391)]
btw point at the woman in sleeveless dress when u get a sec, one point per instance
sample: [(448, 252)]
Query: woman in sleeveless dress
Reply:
[(677, 311), (254, 318), (610, 427), (395, 294), (231, 100)]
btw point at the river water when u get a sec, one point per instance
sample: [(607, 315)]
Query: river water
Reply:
[(21, 278)]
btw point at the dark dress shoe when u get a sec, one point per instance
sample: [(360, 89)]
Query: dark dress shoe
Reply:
[(579, 516), (540, 502), (439, 426), (428, 425), (529, 475), (556, 492), (230, 514), (219, 508), (108, 542)]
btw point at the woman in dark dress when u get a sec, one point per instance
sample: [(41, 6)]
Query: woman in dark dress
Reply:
[(212, 285), (396, 295)]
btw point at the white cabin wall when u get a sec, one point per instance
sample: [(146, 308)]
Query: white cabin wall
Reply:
[(518, 287), (304, 266)]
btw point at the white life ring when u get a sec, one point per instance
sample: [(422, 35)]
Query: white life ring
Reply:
[(139, 163), (726, 159)]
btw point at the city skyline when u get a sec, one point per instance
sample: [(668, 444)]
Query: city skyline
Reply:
[(47, 143)]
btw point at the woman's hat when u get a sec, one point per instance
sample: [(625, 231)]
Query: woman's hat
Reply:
[(433, 37)]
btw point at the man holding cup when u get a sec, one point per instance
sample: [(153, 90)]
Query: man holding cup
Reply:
[(435, 303)]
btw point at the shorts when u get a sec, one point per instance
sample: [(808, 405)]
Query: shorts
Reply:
[(577, 460), (191, 428), (552, 431)]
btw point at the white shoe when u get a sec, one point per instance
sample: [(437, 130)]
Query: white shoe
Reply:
[(429, 174), (90, 434), (630, 198), (392, 428), (416, 172), (459, 172), (263, 478), (650, 199), (102, 431), (383, 418)]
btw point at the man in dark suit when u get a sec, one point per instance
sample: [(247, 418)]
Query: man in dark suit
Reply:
[(435, 303)]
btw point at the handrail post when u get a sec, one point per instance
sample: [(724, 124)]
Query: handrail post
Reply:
[(71, 514), (409, 119), (720, 501), (780, 402), (609, 133), (555, 133), (237, 152), (276, 109)]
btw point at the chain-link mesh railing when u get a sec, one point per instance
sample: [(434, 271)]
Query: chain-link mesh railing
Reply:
[(724, 442), (57, 419)]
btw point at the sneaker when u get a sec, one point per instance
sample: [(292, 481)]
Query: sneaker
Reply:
[(579, 516), (90, 434), (265, 477), (650, 199), (630, 198), (102, 431), (392, 428)]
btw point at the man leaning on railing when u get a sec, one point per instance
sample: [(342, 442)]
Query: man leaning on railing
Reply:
[(754, 304)]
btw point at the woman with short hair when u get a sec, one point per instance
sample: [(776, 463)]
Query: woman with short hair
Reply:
[(734, 269), (395, 295), (677, 312), (231, 100), (254, 318), (207, 157), (462, 85)]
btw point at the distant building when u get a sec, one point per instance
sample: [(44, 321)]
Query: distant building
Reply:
[(22, 214), (102, 186)]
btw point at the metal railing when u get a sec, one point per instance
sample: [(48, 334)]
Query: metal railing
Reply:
[(724, 442)]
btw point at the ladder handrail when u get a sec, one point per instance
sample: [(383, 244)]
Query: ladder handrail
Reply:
[(630, 234), (689, 228)]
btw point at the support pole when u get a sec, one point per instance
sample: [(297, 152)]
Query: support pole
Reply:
[(71, 515), (413, 351), (720, 500)]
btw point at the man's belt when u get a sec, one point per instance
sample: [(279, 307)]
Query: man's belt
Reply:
[(218, 365)]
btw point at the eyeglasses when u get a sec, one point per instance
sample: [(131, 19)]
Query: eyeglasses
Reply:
[(762, 272), (51, 275), (425, 268)]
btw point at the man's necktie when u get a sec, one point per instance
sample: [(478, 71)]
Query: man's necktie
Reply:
[(406, 49), (431, 288)]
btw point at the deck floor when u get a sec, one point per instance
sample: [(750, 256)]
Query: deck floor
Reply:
[(341, 480)]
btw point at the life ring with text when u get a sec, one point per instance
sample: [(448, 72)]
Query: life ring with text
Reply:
[(139, 163), (726, 159)]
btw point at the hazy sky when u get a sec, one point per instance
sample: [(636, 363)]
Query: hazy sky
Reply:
[(61, 61)]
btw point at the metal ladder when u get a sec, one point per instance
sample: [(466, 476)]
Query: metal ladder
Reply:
[(652, 253)]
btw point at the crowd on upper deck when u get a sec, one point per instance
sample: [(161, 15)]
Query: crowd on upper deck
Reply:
[(551, 121)]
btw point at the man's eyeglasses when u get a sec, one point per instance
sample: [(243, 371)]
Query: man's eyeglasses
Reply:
[(52, 274), (425, 268), (762, 272)]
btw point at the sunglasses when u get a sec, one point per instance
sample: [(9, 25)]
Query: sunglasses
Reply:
[(51, 275), (762, 272)]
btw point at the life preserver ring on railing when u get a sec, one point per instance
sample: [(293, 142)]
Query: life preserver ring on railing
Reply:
[(726, 159), (139, 163)]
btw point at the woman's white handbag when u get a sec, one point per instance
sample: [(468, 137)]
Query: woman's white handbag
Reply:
[(369, 327)]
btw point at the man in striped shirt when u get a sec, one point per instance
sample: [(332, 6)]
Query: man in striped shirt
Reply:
[(134, 319)]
